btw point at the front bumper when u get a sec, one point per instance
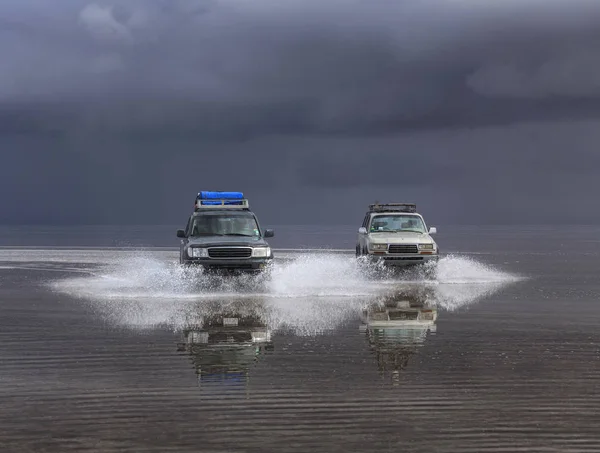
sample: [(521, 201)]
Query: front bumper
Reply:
[(403, 260), (241, 265)]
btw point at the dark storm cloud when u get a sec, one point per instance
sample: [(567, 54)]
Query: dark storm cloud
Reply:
[(114, 111), (525, 174), (249, 68), (546, 172)]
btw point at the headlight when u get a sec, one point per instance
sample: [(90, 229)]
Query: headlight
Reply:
[(197, 252), (261, 252), (425, 246), (379, 246)]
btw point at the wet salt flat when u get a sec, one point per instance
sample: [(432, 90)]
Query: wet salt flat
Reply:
[(122, 350)]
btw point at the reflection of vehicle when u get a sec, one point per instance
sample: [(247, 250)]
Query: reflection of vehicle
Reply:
[(223, 233), (225, 340), (396, 235), (398, 326)]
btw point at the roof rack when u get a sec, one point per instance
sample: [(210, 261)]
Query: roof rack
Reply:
[(220, 200), (393, 207)]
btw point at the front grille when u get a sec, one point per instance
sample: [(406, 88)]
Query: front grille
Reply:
[(229, 252), (403, 248)]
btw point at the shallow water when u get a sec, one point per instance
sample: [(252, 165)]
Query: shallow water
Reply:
[(101, 350)]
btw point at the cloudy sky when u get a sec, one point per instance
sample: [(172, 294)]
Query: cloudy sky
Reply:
[(480, 111)]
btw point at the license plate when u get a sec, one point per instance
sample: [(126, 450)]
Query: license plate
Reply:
[(230, 321)]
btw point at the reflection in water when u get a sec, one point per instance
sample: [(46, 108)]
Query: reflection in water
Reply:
[(226, 324), (397, 325), (224, 339)]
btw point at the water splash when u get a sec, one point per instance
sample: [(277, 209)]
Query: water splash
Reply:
[(455, 269), (309, 294), (325, 275)]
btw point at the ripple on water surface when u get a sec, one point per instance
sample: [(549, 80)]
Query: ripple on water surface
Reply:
[(324, 385)]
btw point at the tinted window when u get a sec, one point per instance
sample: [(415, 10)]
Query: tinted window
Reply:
[(224, 225)]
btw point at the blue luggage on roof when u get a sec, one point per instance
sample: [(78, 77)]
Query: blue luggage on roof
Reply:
[(209, 195), (218, 203), (213, 198)]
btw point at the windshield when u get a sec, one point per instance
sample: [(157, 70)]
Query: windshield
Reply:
[(224, 225), (395, 223)]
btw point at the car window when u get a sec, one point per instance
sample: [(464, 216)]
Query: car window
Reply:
[(188, 226), (224, 225), (397, 223)]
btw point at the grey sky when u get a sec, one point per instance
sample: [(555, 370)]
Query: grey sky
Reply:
[(475, 110)]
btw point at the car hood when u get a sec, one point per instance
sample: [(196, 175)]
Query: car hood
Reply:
[(227, 240), (402, 238)]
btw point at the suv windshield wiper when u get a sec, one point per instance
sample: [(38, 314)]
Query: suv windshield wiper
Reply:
[(238, 234)]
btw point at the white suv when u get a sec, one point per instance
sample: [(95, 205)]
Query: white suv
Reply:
[(397, 235)]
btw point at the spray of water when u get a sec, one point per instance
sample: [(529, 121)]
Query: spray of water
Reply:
[(310, 294)]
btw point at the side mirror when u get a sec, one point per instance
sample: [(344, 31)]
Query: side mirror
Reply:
[(269, 233), (432, 230), (362, 230), (180, 233)]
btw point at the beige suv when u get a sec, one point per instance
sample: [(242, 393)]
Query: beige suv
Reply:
[(397, 235)]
